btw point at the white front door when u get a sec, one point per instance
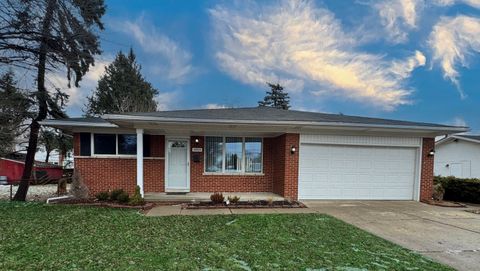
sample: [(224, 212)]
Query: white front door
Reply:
[(177, 177)]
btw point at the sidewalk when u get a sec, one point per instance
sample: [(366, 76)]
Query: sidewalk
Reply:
[(168, 210)]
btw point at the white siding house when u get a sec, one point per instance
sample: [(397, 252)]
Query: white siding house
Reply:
[(458, 156)]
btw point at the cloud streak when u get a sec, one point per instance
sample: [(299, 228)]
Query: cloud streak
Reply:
[(452, 40), (297, 44), (174, 62)]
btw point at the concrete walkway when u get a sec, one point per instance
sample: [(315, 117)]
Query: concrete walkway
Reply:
[(447, 235)]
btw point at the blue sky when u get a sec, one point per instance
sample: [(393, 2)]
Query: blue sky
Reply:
[(402, 59)]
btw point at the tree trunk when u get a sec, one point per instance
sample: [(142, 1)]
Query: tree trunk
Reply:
[(47, 157), (41, 96)]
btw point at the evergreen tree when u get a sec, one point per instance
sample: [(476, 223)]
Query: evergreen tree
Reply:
[(276, 97), (15, 110), (122, 89), (49, 35)]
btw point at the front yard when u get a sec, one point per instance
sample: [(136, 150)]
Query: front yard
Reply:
[(35, 236)]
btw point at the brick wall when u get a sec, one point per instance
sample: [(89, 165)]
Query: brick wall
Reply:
[(200, 182), (103, 174), (426, 175), (285, 179)]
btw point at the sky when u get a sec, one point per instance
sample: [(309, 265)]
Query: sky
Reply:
[(401, 59)]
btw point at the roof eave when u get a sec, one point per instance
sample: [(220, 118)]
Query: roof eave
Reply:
[(434, 129)]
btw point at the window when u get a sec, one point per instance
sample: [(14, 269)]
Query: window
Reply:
[(127, 144), (113, 144), (85, 144), (233, 154), (104, 144), (214, 154), (253, 155)]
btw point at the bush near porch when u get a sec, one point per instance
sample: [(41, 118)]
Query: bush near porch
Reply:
[(457, 189), (53, 237)]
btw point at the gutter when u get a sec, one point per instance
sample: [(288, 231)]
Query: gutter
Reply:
[(77, 123)]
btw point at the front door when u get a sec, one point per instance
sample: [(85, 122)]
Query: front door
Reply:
[(177, 166)]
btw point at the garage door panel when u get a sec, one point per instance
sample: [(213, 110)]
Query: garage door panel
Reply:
[(356, 172)]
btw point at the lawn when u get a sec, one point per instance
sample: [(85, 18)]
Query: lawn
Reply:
[(35, 236)]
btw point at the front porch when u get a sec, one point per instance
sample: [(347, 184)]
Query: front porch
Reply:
[(205, 196)]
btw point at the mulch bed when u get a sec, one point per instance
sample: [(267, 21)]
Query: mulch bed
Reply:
[(442, 203), (245, 205), (92, 202)]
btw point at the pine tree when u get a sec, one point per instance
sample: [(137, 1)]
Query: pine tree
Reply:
[(122, 89), (15, 110), (276, 97)]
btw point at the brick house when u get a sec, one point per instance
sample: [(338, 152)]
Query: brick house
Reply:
[(295, 154)]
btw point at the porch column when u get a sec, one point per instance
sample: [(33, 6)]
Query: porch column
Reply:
[(140, 160)]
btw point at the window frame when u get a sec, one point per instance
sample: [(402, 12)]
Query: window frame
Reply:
[(92, 146), (224, 172)]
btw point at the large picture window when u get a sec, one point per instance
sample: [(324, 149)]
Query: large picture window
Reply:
[(233, 155), (113, 144)]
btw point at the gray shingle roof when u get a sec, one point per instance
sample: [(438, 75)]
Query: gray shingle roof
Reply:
[(273, 114)]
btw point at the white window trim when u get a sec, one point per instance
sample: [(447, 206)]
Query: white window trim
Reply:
[(224, 172), (92, 147)]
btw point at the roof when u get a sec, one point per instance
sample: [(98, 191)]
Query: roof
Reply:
[(252, 115), (263, 113), (469, 138)]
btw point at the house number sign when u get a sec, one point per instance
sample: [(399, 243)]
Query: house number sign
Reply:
[(197, 149)]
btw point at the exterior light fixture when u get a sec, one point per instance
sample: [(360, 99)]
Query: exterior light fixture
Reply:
[(293, 149), (431, 153), (197, 140)]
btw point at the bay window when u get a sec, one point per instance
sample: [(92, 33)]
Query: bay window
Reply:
[(233, 155)]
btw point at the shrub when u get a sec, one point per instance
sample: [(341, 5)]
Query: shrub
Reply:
[(115, 193), (137, 199), (438, 192), (123, 197), (456, 189), (217, 197), (102, 196), (234, 199), (78, 189)]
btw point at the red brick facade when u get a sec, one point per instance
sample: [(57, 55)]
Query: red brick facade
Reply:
[(286, 165), (426, 174), (280, 169)]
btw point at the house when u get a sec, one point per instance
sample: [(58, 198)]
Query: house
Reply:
[(459, 156), (12, 169), (295, 154)]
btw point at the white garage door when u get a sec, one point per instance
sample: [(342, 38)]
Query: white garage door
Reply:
[(356, 172)]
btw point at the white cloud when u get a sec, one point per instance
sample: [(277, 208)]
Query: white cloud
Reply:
[(473, 3), (299, 45), (78, 95), (453, 41), (167, 100), (174, 62), (214, 106), (399, 17)]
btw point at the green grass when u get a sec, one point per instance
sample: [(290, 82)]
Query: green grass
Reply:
[(35, 236)]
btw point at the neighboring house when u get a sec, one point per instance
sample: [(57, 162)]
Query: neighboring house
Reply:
[(458, 155), (295, 154), (12, 168)]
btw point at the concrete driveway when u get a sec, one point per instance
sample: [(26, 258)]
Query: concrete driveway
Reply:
[(447, 235)]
